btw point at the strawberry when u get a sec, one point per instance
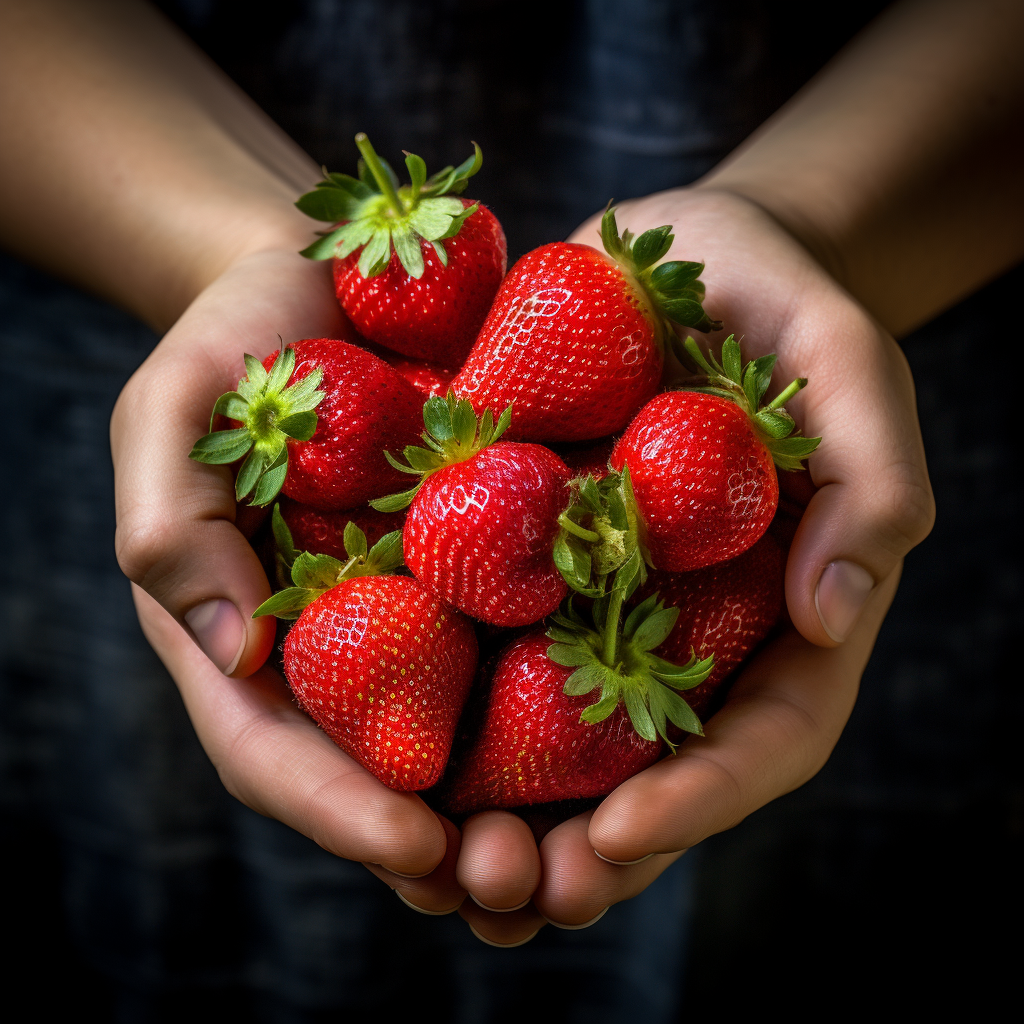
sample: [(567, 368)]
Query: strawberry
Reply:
[(429, 379), (726, 609), (702, 461), (310, 529), (541, 740), (376, 660), (430, 302), (589, 459), (332, 458), (577, 337), (493, 527)]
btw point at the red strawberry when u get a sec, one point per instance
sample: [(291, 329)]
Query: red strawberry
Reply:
[(332, 458), (542, 740), (324, 532), (431, 301), (701, 462), (726, 609), (576, 337), (493, 527), (533, 747), (587, 459), (427, 378), (377, 661)]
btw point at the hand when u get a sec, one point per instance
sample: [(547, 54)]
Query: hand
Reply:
[(198, 582), (868, 501)]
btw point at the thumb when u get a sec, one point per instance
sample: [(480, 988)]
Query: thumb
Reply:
[(873, 501)]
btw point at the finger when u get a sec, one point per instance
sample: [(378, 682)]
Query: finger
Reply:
[(176, 530), (578, 886), (515, 928), (783, 716), (276, 760), (873, 501), (437, 893), (499, 865)]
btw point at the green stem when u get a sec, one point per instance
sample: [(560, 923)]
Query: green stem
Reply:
[(578, 531), (611, 627), (380, 175), (786, 395)]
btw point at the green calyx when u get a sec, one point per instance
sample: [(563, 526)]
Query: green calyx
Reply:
[(746, 385), (312, 575), (617, 660), (598, 533), (453, 434), (673, 288), (272, 413), (379, 213)]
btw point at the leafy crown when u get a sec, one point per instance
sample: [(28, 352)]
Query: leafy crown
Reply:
[(315, 574), (746, 384), (378, 212), (616, 659), (674, 287), (453, 434), (271, 413)]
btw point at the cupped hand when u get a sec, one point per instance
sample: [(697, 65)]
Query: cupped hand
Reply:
[(868, 502), (183, 543)]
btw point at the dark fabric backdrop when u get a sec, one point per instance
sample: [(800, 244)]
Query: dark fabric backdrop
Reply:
[(897, 864)]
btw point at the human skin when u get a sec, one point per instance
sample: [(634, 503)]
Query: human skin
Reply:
[(859, 211)]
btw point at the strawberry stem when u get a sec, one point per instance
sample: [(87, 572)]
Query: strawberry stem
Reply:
[(786, 395), (578, 531), (611, 627), (380, 175)]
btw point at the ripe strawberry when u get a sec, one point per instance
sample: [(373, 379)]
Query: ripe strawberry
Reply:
[(576, 337), (324, 532), (493, 527), (430, 302), (541, 740), (726, 609), (377, 661), (429, 379), (702, 459), (588, 459), (332, 458)]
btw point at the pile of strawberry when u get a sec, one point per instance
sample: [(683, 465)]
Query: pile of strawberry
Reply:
[(586, 555)]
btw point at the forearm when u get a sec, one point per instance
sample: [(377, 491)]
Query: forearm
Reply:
[(901, 166), (130, 164)]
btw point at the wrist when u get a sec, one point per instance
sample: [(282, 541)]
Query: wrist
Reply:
[(226, 233)]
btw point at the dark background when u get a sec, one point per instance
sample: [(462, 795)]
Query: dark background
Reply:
[(891, 877)]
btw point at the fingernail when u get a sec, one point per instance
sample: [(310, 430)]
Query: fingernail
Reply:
[(623, 863), (502, 945), (499, 910), (220, 632), (842, 591), (400, 875), (420, 910), (576, 927)]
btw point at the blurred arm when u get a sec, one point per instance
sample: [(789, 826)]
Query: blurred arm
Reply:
[(901, 165), (131, 165)]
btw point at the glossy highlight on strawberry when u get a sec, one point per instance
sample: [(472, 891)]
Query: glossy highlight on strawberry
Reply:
[(367, 408), (703, 459), (726, 609), (705, 485), (480, 533), (384, 667), (532, 746), (576, 336), (415, 267)]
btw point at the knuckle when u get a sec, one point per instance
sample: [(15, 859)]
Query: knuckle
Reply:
[(910, 512), (143, 550)]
